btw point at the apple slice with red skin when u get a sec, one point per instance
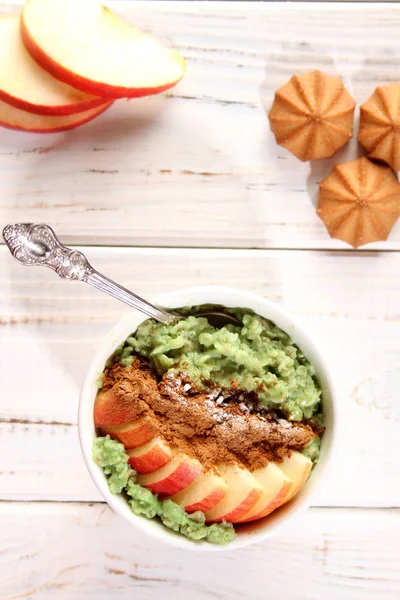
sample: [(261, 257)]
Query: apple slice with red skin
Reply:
[(86, 45), (134, 433), (176, 475), (207, 490), (244, 492), (27, 86), (112, 409), (151, 456), (298, 468), (20, 120), (276, 488)]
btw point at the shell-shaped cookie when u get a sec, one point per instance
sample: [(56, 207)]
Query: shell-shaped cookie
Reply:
[(359, 202), (312, 115), (380, 125)]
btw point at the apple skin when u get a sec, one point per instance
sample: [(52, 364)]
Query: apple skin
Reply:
[(298, 468), (207, 490), (175, 476), (276, 488), (83, 84), (34, 90), (111, 410), (54, 111), (280, 499), (243, 493), (242, 508), (208, 502), (295, 470), (20, 120), (151, 456), (133, 434)]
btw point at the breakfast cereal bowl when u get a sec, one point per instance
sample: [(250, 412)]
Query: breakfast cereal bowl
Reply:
[(246, 533)]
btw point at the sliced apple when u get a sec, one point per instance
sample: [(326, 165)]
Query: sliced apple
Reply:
[(298, 468), (176, 475), (276, 488), (86, 45), (207, 490), (112, 409), (28, 87), (151, 456), (244, 492), (15, 118), (134, 433)]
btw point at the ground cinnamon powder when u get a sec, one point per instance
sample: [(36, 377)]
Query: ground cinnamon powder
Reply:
[(192, 421)]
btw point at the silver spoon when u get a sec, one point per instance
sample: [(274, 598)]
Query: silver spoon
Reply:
[(36, 244)]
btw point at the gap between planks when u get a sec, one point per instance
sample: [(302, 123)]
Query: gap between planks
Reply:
[(314, 507), (336, 251)]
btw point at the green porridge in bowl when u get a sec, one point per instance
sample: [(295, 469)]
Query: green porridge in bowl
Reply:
[(237, 408), (258, 357), (111, 456)]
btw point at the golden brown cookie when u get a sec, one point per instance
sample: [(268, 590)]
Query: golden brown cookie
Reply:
[(380, 125), (312, 115), (359, 202)]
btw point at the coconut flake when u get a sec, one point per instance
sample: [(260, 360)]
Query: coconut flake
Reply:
[(214, 394), (218, 417), (285, 424)]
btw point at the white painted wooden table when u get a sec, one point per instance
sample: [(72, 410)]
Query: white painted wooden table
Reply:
[(189, 188)]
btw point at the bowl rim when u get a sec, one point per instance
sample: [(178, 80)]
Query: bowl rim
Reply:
[(230, 297)]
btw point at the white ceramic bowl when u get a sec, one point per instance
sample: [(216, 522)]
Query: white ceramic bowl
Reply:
[(247, 534)]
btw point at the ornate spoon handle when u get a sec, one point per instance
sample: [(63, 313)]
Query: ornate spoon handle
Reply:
[(35, 244)]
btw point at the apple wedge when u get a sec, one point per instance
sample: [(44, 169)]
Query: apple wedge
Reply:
[(298, 468), (244, 492), (15, 118), (25, 85), (151, 456), (134, 433), (176, 475), (207, 490), (276, 488), (111, 409), (86, 45)]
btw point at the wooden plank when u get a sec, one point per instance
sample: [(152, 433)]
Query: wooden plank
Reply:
[(74, 551), (199, 166), (50, 328)]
